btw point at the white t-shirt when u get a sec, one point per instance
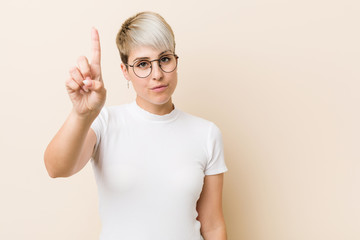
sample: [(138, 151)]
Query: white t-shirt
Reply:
[(149, 171)]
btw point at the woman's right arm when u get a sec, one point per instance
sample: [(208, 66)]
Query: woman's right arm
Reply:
[(72, 146)]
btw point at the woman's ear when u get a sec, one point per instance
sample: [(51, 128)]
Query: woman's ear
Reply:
[(125, 71)]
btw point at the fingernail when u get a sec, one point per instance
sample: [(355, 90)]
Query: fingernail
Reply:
[(86, 82)]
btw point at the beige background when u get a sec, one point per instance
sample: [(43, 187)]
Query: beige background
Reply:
[(280, 78)]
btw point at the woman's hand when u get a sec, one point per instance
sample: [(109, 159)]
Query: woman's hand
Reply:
[(85, 85)]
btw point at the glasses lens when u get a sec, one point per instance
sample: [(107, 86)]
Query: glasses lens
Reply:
[(168, 63), (142, 68)]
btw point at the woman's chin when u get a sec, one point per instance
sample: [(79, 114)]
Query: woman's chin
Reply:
[(161, 101), (157, 100)]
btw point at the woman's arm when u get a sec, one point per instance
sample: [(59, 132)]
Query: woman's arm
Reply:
[(209, 208), (72, 146)]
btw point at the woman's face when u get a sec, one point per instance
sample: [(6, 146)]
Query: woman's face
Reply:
[(158, 87)]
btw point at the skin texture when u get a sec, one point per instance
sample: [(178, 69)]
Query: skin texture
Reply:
[(71, 148), (209, 207), (154, 102)]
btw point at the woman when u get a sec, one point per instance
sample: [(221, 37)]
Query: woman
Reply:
[(159, 171)]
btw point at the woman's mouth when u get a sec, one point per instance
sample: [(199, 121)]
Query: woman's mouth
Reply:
[(159, 88)]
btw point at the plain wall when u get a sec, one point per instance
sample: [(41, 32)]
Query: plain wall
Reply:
[(280, 78)]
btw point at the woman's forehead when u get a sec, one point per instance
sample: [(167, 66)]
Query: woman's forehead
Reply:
[(146, 52)]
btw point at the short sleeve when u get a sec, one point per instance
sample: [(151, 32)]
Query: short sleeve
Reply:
[(99, 126), (216, 162)]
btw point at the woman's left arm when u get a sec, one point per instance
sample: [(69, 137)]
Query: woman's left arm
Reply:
[(209, 208)]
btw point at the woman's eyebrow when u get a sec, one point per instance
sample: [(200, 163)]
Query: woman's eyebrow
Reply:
[(148, 57), (164, 52)]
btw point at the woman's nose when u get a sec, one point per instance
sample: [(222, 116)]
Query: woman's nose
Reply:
[(156, 73)]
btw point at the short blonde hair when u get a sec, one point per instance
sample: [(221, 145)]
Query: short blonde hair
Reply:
[(144, 29)]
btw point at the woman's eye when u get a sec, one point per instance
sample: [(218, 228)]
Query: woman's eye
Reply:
[(142, 64), (165, 59)]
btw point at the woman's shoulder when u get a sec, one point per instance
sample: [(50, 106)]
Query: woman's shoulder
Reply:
[(113, 112), (118, 107), (198, 122), (195, 118), (115, 109)]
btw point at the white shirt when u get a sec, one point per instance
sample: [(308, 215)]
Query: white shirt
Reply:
[(150, 169)]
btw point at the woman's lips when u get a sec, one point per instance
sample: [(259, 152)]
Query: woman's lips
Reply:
[(159, 88)]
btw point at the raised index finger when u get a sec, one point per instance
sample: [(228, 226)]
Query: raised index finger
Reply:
[(95, 45)]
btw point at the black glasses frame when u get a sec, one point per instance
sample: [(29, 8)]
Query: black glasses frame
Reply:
[(155, 60)]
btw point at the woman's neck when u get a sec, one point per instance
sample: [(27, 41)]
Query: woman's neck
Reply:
[(158, 109)]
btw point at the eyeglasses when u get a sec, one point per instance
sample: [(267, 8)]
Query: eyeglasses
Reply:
[(143, 68)]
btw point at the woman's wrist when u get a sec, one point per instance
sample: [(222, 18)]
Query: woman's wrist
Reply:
[(84, 118)]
